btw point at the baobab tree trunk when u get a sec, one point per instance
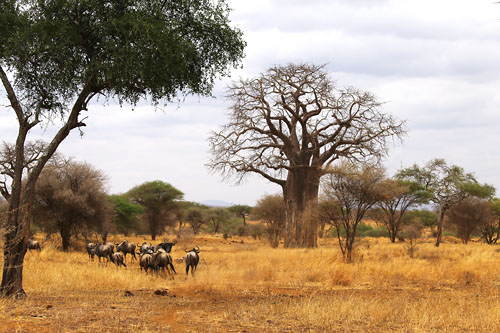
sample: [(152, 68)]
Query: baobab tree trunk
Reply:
[(300, 191)]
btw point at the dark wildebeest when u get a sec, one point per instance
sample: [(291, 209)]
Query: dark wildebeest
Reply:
[(162, 260), (126, 247), (192, 259), (117, 259), (90, 247), (167, 246), (146, 261), (104, 250), (34, 245)]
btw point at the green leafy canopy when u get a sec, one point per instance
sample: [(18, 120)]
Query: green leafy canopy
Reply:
[(128, 49)]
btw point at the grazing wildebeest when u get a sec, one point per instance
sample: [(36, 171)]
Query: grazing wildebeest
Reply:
[(146, 261), (192, 259), (104, 250), (90, 247), (167, 246), (162, 260), (34, 245), (126, 247), (117, 258)]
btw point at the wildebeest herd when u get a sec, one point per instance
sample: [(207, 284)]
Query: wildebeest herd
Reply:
[(152, 258)]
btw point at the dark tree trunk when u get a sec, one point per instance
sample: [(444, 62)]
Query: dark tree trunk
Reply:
[(65, 233), (442, 212), (16, 240), (300, 191), (19, 213)]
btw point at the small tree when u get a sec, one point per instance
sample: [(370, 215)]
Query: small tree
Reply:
[(125, 216), (70, 199), (469, 215), (350, 191), (196, 217), (412, 232), (490, 230), (271, 209), (449, 185), (217, 218), (242, 211), (158, 200), (397, 197)]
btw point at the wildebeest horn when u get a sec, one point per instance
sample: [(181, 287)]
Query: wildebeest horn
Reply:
[(197, 249)]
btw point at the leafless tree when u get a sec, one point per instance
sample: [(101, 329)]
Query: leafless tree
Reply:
[(32, 152), (350, 191), (289, 125), (271, 210)]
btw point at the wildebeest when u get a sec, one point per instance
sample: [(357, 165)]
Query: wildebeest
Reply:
[(34, 245), (104, 250), (192, 259), (146, 261), (145, 247), (162, 260), (90, 247), (167, 246), (126, 247), (117, 258)]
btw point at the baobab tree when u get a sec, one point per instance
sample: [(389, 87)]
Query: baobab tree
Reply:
[(289, 125), (57, 56)]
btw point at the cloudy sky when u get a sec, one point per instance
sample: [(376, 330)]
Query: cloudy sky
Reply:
[(435, 63)]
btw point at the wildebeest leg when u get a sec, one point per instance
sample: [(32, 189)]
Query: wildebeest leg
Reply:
[(173, 269)]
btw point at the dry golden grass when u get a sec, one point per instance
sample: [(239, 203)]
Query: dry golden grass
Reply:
[(251, 287)]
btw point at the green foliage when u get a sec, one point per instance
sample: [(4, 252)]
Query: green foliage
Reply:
[(125, 213), (495, 207), (220, 220), (426, 217), (241, 210), (123, 48), (159, 200), (364, 230), (154, 195)]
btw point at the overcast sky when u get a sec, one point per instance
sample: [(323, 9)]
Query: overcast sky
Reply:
[(436, 64)]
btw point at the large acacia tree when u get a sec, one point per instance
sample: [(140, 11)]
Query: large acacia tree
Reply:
[(289, 125), (56, 56)]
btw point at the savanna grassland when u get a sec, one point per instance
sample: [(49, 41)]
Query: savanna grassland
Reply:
[(244, 285)]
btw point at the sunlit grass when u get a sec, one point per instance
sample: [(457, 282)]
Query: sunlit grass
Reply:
[(252, 286)]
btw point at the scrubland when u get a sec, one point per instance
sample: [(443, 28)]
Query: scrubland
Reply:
[(242, 284)]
